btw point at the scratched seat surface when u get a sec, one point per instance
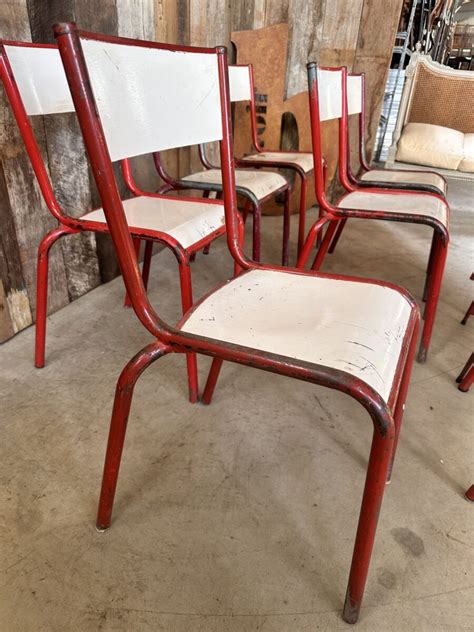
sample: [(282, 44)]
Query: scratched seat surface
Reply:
[(412, 203), (311, 318), (260, 183), (401, 176), (187, 221), (303, 160)]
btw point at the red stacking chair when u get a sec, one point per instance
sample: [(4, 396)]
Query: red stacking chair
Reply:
[(409, 179), (301, 163), (35, 83), (328, 100), (398, 179), (255, 185), (354, 335)]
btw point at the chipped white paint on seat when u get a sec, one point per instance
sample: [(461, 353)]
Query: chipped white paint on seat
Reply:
[(137, 115), (413, 203), (40, 78), (188, 222), (406, 177), (260, 183), (239, 83), (352, 326), (303, 160)]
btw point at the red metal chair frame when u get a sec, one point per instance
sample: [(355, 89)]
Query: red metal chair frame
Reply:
[(69, 225), (251, 200), (278, 164), (439, 246), (386, 417)]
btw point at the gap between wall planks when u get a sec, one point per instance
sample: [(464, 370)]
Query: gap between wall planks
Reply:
[(360, 34)]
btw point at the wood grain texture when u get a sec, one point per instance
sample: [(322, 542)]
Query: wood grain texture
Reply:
[(378, 27), (25, 219)]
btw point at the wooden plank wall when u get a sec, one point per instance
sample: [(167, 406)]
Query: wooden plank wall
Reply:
[(358, 34)]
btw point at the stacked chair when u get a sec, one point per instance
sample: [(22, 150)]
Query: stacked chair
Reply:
[(329, 100), (357, 336), (255, 185)]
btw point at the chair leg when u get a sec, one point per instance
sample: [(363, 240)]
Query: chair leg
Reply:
[(286, 228), (340, 228), (206, 249), (436, 278), (246, 209), (211, 380), (147, 263), (187, 302), (468, 314), (257, 217), (323, 248), (302, 213), (118, 426), (377, 470), (466, 377), (470, 494), (402, 396), (137, 243), (42, 290), (429, 268)]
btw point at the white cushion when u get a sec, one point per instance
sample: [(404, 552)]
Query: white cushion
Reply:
[(467, 163), (400, 202), (432, 145), (401, 176), (260, 183), (187, 221), (352, 326), (303, 160)]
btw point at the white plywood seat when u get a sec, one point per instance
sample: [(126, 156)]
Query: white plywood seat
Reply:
[(352, 326), (188, 222), (260, 183), (303, 160), (413, 203), (405, 177)]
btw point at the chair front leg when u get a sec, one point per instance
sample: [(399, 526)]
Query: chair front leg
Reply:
[(377, 472), (42, 290), (118, 426), (187, 302), (147, 262), (323, 248), (429, 267), (302, 213), (436, 278), (211, 380), (136, 243), (338, 234), (256, 246), (402, 395)]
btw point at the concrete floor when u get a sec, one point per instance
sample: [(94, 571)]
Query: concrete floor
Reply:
[(239, 516)]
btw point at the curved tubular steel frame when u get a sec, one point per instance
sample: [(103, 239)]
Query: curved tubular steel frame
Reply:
[(256, 204), (70, 225), (439, 249), (278, 164), (385, 416)]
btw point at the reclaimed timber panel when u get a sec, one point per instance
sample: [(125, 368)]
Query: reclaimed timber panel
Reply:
[(25, 218), (378, 27)]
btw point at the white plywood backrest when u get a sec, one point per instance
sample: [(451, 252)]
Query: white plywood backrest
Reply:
[(40, 77), (354, 94), (239, 83), (329, 94), (151, 99)]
